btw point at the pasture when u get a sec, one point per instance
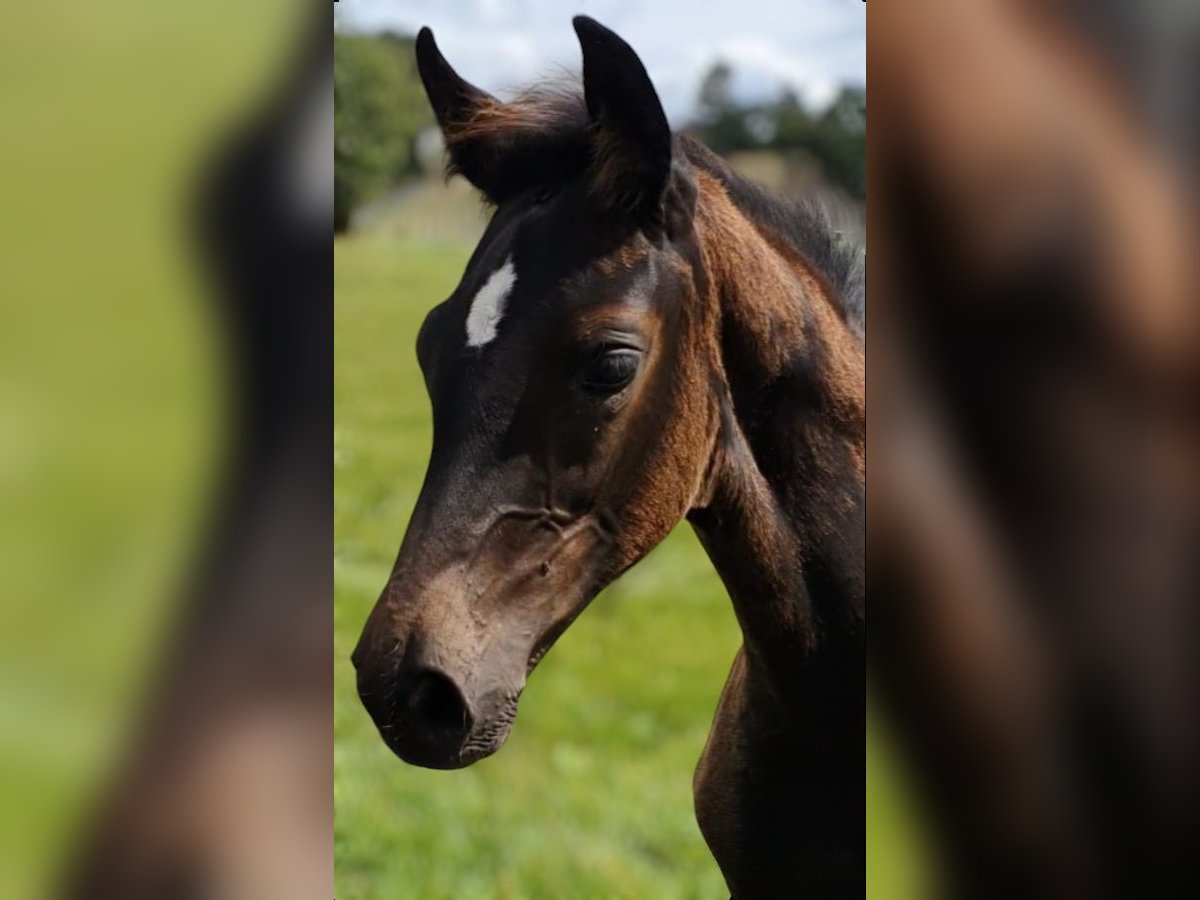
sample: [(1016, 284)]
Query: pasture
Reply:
[(591, 796)]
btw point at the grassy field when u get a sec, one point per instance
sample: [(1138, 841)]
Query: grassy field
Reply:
[(591, 796)]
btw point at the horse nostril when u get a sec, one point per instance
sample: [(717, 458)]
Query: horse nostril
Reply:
[(433, 702)]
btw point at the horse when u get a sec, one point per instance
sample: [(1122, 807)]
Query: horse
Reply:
[(640, 337)]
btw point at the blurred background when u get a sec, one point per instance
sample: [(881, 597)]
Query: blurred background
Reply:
[(160, 201), (1034, 383), (591, 796)]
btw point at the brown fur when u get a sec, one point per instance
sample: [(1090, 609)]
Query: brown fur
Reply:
[(788, 311), (783, 502)]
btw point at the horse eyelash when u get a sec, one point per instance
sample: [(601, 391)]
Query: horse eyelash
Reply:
[(602, 350)]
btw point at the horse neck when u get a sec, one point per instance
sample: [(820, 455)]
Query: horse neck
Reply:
[(783, 514)]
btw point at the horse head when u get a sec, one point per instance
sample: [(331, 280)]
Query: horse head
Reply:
[(571, 375)]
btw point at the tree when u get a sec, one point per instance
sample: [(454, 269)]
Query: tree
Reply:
[(379, 107), (835, 139), (714, 92)]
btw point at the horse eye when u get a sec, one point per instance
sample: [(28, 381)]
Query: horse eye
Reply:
[(611, 371), (543, 196)]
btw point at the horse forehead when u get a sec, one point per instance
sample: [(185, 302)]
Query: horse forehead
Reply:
[(629, 276)]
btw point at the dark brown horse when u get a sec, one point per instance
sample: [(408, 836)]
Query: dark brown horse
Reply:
[(640, 336)]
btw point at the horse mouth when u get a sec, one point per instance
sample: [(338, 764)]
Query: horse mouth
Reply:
[(486, 741), (430, 750)]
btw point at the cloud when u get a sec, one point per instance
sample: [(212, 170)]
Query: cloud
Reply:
[(811, 46)]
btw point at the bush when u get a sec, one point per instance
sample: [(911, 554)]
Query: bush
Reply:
[(379, 108)]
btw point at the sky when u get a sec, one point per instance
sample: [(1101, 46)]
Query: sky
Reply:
[(811, 46)]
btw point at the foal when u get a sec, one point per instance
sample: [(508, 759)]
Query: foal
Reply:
[(640, 336)]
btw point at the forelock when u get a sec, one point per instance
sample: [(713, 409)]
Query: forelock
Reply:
[(541, 136)]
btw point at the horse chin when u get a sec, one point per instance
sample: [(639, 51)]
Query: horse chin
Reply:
[(488, 736), (471, 755), (429, 757)]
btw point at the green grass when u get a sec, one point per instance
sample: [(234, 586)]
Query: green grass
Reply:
[(591, 796)]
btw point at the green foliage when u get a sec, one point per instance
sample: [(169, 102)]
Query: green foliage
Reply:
[(836, 138), (379, 107)]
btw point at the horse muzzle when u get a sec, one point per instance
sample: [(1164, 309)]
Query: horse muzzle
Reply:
[(427, 717)]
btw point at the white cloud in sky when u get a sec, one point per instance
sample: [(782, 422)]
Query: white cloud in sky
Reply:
[(811, 46)]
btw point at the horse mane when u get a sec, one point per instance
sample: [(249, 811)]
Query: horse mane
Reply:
[(547, 138), (805, 223)]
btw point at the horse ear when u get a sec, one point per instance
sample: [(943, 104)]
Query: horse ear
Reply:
[(455, 102), (631, 143)]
